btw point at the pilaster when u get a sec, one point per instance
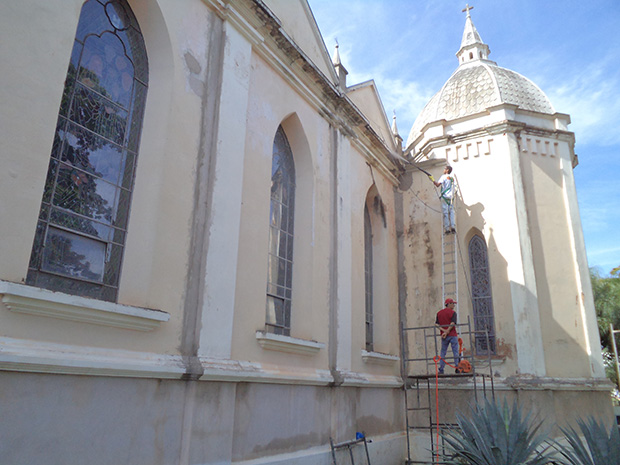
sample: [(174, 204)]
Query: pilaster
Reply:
[(226, 179), (583, 283), (522, 278)]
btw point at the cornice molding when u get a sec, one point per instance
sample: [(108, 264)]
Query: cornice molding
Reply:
[(19, 355), (254, 20), (39, 357), (515, 127)]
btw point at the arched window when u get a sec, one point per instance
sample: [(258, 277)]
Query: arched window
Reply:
[(281, 221), (481, 295), (368, 278), (80, 237)]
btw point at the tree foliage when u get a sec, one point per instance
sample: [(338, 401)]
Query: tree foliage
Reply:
[(606, 292)]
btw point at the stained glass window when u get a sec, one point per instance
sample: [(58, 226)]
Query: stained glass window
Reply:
[(484, 320), (80, 237), (281, 219), (368, 279)]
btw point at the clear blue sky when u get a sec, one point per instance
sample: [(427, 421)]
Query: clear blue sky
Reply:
[(569, 48)]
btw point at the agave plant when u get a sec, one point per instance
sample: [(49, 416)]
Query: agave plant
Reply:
[(497, 435), (599, 448)]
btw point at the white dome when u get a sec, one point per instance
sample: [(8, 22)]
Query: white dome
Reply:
[(476, 86)]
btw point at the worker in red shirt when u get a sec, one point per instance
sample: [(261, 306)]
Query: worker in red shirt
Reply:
[(446, 323)]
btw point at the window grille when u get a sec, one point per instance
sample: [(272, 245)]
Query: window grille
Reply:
[(82, 225), (481, 295), (281, 222)]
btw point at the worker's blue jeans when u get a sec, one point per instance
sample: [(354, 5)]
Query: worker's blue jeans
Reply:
[(449, 341), (448, 214)]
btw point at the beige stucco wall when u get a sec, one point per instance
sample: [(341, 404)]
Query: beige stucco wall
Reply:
[(564, 334), (515, 192), (246, 97), (369, 183), (494, 218), (219, 87), (37, 76), (156, 253), (476, 213), (271, 103)]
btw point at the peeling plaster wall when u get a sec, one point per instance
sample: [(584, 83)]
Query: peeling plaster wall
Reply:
[(512, 191)]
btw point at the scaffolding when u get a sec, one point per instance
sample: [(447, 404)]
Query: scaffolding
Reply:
[(422, 384), (420, 355)]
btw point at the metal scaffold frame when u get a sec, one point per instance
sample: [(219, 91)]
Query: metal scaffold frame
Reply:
[(422, 383)]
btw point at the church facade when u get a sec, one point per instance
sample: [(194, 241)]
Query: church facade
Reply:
[(209, 240)]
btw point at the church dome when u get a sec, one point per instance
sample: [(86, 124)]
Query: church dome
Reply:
[(478, 84)]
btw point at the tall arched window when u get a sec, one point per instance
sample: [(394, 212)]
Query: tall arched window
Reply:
[(80, 237), (281, 221), (481, 295), (368, 279)]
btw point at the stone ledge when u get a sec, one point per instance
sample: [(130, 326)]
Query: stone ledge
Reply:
[(379, 358), (20, 298), (288, 344), (237, 371)]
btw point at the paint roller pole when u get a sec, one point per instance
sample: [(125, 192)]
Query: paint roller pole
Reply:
[(430, 176)]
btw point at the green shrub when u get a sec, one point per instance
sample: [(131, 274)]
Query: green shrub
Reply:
[(497, 435), (599, 448)]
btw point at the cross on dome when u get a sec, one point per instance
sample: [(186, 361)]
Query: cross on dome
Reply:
[(472, 46)]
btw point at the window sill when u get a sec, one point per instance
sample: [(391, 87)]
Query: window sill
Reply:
[(20, 298), (379, 358), (288, 344)]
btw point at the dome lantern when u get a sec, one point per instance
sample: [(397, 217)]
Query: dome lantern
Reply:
[(472, 46)]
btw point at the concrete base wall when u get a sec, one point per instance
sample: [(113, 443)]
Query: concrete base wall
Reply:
[(389, 449), (66, 419), (72, 420), (556, 408)]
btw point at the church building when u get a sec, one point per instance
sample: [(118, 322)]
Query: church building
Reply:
[(211, 243)]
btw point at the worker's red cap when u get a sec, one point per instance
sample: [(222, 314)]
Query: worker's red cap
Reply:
[(450, 301)]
